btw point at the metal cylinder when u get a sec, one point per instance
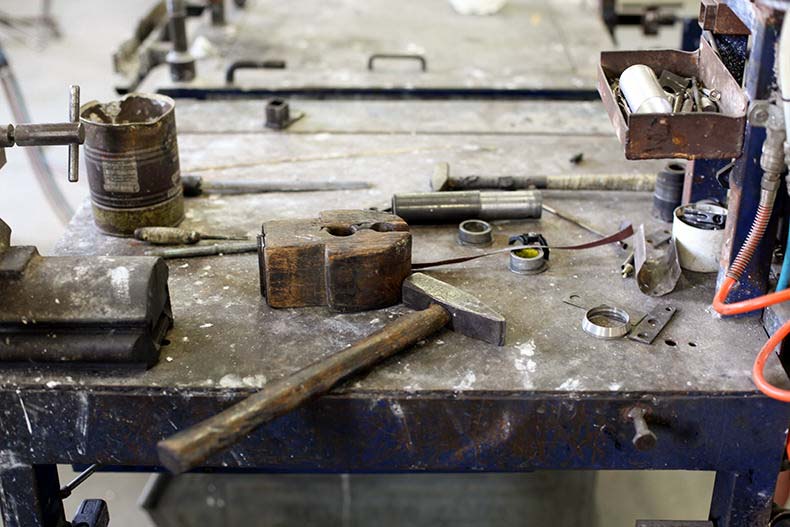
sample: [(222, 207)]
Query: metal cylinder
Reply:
[(527, 261), (450, 207), (475, 232), (131, 157), (669, 191), (642, 92)]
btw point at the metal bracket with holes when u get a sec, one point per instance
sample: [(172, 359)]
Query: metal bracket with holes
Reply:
[(646, 327), (652, 324)]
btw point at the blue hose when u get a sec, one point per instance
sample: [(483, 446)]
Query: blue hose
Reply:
[(784, 274)]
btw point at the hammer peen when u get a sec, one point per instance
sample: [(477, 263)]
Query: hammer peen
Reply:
[(440, 305)]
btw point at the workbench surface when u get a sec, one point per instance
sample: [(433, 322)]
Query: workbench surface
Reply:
[(533, 45), (226, 337)]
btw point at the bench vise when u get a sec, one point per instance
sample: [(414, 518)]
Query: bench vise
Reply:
[(98, 310)]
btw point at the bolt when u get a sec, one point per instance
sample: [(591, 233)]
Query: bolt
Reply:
[(643, 439), (760, 116)]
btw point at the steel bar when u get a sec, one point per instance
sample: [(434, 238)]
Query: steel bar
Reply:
[(196, 185), (449, 207)]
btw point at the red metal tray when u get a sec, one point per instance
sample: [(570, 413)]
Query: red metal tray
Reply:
[(697, 135)]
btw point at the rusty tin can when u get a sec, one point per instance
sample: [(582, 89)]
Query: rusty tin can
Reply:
[(131, 155)]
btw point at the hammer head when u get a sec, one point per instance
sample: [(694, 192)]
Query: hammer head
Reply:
[(468, 315), (440, 180)]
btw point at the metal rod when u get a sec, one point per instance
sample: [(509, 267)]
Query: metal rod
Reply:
[(48, 134), (196, 185), (573, 220), (67, 489), (204, 250)]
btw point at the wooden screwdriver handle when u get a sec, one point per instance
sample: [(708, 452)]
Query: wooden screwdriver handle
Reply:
[(191, 447)]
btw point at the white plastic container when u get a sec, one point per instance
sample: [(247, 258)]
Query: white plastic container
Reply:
[(642, 92), (699, 250)]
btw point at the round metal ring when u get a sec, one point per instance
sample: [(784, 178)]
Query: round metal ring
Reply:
[(606, 322), (528, 264), (475, 232)]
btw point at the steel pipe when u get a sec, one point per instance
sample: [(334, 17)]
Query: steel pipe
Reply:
[(451, 207)]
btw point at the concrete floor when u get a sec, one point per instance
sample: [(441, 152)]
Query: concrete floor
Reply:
[(91, 29)]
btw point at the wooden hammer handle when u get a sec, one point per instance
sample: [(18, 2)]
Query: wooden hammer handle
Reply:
[(191, 447)]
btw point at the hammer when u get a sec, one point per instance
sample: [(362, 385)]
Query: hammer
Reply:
[(440, 305)]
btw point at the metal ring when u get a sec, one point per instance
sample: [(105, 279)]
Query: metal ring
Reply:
[(475, 232), (606, 322), (528, 265)]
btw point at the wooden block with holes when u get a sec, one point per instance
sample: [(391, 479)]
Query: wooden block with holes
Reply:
[(349, 260)]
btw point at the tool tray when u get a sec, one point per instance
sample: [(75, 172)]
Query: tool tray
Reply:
[(691, 135)]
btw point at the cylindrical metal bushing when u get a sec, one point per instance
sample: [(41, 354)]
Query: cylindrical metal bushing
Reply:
[(669, 191), (450, 207), (475, 232), (642, 92), (131, 157), (528, 261)]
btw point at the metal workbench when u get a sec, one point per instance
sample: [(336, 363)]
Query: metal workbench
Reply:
[(551, 398), (538, 47)]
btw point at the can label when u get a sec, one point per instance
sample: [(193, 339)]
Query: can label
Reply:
[(120, 175)]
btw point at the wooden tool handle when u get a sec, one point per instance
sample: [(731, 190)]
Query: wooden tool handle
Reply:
[(191, 447)]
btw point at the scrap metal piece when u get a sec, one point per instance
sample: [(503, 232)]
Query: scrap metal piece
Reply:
[(652, 324), (674, 83), (468, 315), (658, 275), (606, 322)]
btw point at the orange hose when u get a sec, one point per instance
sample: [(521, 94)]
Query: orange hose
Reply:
[(745, 306), (759, 365), (754, 304)]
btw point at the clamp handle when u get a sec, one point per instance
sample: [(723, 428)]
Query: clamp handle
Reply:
[(74, 148), (71, 133)]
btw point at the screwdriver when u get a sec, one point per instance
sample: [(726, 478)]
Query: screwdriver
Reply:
[(176, 236)]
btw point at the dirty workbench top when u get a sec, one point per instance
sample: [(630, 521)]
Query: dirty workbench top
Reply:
[(532, 45), (226, 337)]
